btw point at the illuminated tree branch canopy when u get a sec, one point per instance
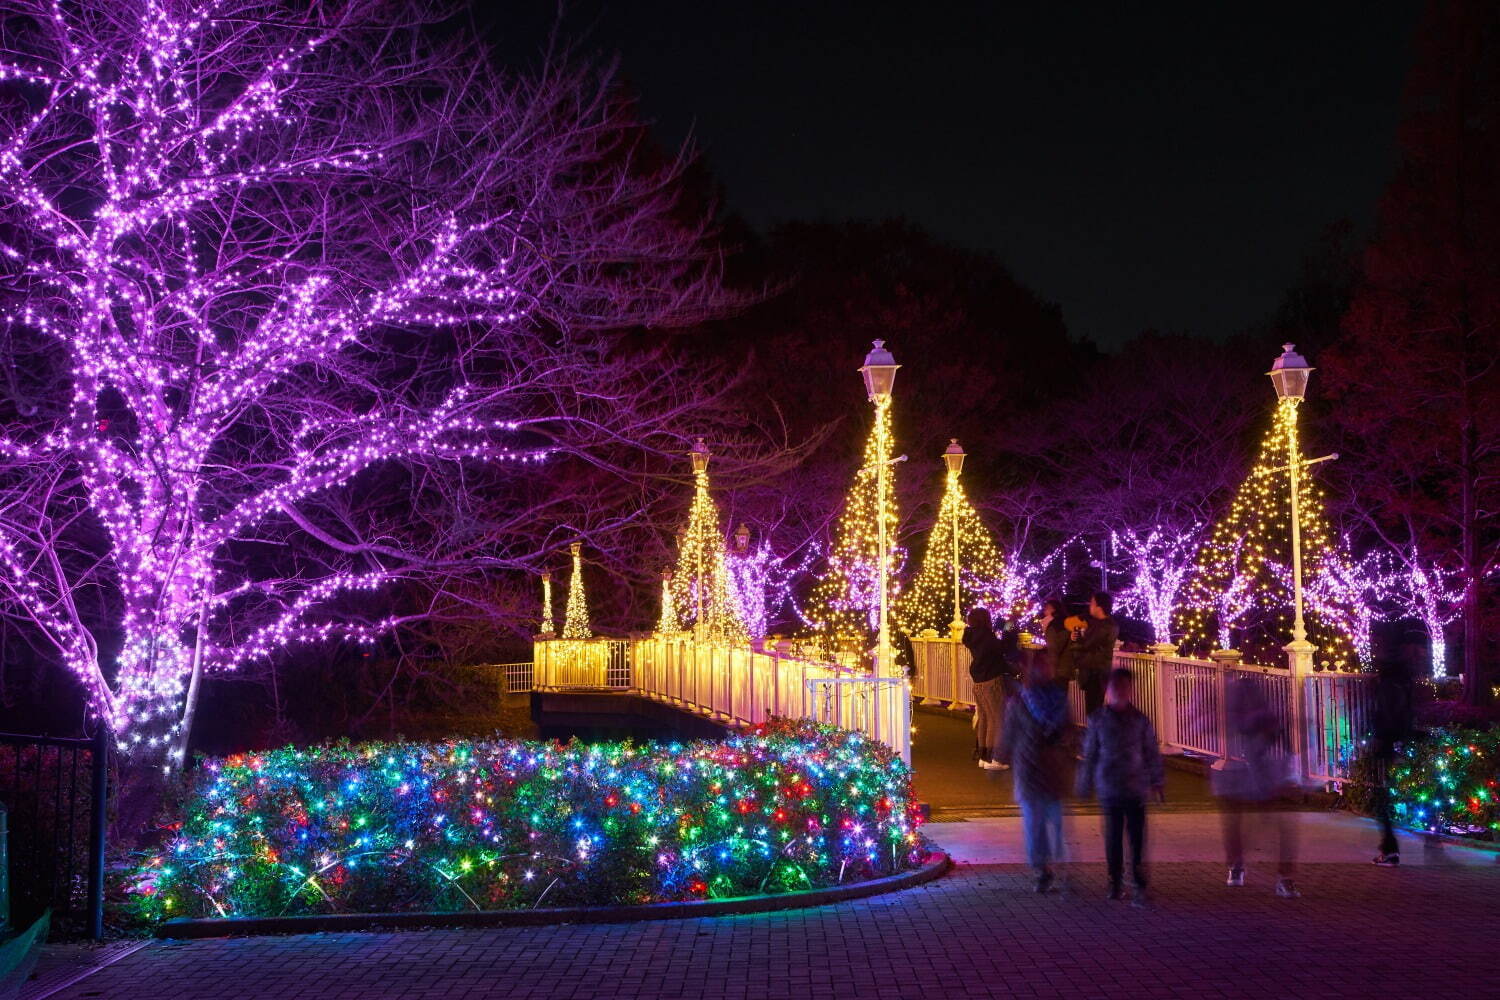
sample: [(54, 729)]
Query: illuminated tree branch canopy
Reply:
[(250, 251)]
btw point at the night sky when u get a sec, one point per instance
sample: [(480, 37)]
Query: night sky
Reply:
[(1143, 165)]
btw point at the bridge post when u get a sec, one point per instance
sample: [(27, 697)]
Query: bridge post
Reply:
[(1166, 693), (1299, 658)]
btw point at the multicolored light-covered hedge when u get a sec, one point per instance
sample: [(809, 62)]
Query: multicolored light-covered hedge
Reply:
[(1448, 782), (503, 824)]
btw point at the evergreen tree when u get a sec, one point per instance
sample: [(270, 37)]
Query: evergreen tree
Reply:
[(1248, 553)]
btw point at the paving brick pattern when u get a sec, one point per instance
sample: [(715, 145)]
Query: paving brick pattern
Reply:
[(1359, 931)]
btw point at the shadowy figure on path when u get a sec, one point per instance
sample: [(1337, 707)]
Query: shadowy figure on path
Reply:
[(1255, 770), (1035, 743), (1391, 726), (1121, 760)]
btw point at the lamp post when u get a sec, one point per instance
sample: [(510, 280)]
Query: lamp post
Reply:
[(954, 458), (879, 372), (1289, 374), (700, 456)]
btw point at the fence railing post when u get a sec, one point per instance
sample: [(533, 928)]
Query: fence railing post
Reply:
[(1299, 658), (1166, 693), (99, 790)]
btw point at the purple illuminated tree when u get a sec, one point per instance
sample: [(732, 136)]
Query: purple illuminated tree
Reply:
[(1160, 562), (251, 251)]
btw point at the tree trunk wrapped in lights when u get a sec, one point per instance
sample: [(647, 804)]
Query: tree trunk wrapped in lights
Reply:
[(1160, 560), (1244, 551)]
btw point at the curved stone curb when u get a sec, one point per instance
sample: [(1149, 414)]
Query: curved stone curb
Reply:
[(182, 927)]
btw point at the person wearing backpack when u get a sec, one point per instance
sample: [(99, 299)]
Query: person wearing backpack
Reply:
[(1034, 742)]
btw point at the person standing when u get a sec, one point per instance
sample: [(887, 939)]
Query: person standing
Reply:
[(1058, 639), (1393, 723), (1255, 771), (1122, 763), (987, 669), (1034, 743), (1094, 650)]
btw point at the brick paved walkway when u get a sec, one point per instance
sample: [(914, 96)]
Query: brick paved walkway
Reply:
[(979, 932)]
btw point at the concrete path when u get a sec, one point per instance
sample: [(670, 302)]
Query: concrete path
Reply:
[(1324, 838), (947, 779), (1358, 931)]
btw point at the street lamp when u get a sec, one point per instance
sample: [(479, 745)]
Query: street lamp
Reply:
[(1289, 374), (879, 371), (953, 457), (742, 539), (700, 456)]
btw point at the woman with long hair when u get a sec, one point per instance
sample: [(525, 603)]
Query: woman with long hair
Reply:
[(988, 670)]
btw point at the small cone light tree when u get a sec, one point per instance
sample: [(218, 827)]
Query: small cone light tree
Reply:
[(1250, 548), (668, 622), (549, 622), (960, 553), (576, 619), (847, 603), (701, 594)]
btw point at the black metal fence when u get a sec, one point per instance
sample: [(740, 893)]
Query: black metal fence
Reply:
[(56, 791)]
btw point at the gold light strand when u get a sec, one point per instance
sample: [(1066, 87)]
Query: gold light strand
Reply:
[(1236, 583), (576, 619)]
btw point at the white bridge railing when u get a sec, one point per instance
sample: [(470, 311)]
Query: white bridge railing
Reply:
[(735, 684), (1324, 716)]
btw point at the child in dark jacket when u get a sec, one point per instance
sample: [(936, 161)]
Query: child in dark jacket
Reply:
[(1121, 762)]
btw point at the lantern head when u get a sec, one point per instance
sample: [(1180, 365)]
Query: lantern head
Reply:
[(1289, 374), (879, 371), (700, 456), (954, 457)]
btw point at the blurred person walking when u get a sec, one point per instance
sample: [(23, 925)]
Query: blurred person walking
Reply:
[(1121, 761), (1393, 724), (1255, 771), (1034, 743)]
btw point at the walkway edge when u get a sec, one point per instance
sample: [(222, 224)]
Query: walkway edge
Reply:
[(183, 928)]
